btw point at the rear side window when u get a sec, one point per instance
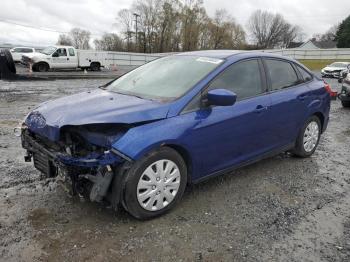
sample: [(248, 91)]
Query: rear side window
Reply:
[(305, 74), (71, 52), (27, 50), (281, 73), (243, 78)]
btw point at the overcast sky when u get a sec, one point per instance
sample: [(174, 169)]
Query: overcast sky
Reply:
[(98, 16)]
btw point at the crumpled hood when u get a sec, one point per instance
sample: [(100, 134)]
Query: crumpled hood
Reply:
[(35, 55), (92, 107)]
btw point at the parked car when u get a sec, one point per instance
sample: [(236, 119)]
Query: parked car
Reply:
[(335, 69), (140, 139), (344, 95), (343, 74), (18, 52), (65, 57)]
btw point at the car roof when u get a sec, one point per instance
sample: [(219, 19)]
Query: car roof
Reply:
[(23, 47), (212, 53), (224, 54)]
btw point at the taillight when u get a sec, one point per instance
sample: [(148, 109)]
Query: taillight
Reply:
[(329, 90)]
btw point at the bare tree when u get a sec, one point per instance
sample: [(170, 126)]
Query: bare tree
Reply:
[(64, 39), (177, 25), (125, 19), (330, 33), (225, 33), (80, 38), (290, 34), (109, 42), (270, 30)]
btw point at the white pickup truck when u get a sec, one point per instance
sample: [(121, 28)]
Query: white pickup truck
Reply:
[(65, 57)]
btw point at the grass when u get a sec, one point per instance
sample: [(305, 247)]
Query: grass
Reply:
[(318, 64)]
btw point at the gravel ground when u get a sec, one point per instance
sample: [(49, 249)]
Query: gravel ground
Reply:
[(280, 209)]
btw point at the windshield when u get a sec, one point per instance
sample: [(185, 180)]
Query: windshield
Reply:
[(338, 65), (166, 78), (48, 50)]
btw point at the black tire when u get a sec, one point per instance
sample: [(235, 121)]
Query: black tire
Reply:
[(94, 66), (345, 103), (42, 67), (299, 149), (133, 175), (9, 61)]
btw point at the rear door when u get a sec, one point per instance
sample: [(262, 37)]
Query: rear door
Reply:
[(290, 97), (72, 58)]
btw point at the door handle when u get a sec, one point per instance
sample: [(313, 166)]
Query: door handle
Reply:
[(302, 97), (260, 109)]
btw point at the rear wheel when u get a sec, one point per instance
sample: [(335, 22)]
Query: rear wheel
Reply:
[(155, 183), (308, 138), (345, 103), (95, 66)]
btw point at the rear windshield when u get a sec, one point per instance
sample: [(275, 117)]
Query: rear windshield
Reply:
[(165, 78), (338, 65)]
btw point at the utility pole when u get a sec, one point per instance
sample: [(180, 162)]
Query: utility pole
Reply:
[(136, 16)]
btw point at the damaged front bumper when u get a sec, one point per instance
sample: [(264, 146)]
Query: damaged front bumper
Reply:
[(90, 175), (93, 160), (344, 94)]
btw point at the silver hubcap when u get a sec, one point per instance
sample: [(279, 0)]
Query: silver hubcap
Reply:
[(158, 185), (311, 136)]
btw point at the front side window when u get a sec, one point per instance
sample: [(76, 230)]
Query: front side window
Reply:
[(62, 52), (242, 78), (166, 78), (337, 64), (281, 73)]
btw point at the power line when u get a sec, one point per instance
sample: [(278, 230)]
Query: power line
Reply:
[(38, 28)]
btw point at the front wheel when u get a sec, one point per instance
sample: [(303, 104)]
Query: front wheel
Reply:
[(308, 138), (42, 67), (155, 183)]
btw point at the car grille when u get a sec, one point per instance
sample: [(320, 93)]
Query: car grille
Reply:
[(43, 164)]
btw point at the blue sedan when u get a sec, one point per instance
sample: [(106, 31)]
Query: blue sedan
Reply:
[(139, 140)]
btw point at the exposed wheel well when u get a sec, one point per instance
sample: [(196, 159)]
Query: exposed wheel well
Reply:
[(186, 157), (321, 117)]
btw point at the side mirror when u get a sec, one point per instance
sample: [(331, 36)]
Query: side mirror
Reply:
[(55, 54), (221, 97)]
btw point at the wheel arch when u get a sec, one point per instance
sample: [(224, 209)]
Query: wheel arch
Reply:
[(42, 62), (321, 117), (183, 152)]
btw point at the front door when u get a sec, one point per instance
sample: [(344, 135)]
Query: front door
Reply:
[(229, 135), (60, 58)]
